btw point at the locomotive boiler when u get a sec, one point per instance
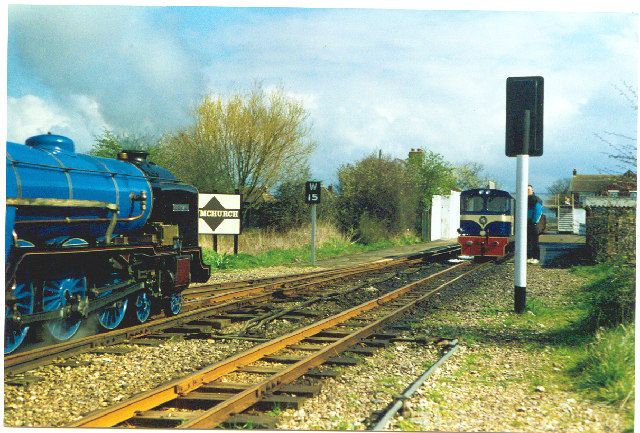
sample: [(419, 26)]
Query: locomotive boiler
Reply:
[(88, 236)]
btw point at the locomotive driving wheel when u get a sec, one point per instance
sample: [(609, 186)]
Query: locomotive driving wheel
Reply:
[(141, 303), (14, 333), (58, 293), (173, 304), (112, 315), (23, 293)]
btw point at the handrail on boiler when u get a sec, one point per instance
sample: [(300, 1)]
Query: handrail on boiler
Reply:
[(56, 202)]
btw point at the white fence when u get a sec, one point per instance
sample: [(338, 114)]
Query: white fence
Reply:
[(445, 216)]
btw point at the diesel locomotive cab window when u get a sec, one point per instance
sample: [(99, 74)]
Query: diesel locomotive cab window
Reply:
[(498, 204), (473, 204)]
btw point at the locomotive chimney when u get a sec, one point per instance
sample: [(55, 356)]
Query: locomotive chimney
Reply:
[(134, 156)]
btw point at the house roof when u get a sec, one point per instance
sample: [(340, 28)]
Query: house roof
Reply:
[(598, 183), (610, 202)]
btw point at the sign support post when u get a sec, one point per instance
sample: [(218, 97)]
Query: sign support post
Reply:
[(523, 139), (312, 191), (522, 208), (313, 234)]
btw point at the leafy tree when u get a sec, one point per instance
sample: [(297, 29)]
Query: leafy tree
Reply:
[(374, 194), (470, 175), (432, 175), (109, 144), (249, 141), (560, 186)]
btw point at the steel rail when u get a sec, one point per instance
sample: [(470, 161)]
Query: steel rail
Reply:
[(295, 278), (398, 403), (26, 360), (212, 417)]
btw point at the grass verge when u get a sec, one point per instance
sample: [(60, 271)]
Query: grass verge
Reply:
[(332, 247), (577, 335)]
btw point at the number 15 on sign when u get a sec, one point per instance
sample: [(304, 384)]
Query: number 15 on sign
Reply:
[(312, 192)]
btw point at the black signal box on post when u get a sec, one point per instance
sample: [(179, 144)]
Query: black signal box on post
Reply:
[(312, 192), (524, 112)]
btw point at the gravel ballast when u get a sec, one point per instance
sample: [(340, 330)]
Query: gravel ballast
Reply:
[(64, 394), (497, 384)]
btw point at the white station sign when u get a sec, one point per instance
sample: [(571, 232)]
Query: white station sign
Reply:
[(219, 214)]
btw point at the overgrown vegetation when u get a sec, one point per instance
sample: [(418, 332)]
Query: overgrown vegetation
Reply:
[(606, 369), (258, 142), (610, 296), (333, 247)]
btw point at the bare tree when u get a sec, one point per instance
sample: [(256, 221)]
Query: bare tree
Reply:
[(560, 186), (623, 149), (250, 141)]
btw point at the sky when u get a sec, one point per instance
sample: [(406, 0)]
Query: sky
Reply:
[(370, 79)]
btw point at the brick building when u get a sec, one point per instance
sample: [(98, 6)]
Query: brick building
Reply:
[(611, 227)]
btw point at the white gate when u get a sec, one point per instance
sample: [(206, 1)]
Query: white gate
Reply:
[(445, 216)]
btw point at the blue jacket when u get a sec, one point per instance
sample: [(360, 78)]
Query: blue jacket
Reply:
[(534, 211)]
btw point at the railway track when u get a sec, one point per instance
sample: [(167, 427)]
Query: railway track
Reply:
[(212, 395), (206, 301)]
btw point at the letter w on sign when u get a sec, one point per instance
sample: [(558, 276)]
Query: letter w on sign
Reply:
[(219, 214), (312, 192)]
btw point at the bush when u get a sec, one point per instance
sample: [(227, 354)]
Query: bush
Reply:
[(610, 296), (381, 188), (371, 230), (607, 368)]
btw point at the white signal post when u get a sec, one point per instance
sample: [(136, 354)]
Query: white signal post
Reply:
[(520, 280), (522, 207), (525, 103)]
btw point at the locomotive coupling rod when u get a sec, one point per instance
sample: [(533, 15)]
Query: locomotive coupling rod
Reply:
[(83, 307)]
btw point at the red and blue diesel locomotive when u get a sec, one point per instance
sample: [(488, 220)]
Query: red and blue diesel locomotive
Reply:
[(486, 222), (88, 236)]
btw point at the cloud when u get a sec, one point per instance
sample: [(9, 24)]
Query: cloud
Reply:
[(80, 119), (139, 73), (370, 79), (448, 70)]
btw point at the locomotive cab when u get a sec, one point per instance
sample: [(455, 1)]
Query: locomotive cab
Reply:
[(175, 203), (486, 222)]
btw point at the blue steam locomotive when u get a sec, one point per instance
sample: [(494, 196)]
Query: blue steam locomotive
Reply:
[(486, 222), (88, 236)]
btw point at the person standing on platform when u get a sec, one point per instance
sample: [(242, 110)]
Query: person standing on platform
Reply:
[(533, 237)]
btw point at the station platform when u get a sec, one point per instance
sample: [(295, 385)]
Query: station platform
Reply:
[(556, 249), (560, 250), (561, 238)]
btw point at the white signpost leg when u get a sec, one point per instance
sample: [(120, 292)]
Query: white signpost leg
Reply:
[(522, 181), (313, 234)]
